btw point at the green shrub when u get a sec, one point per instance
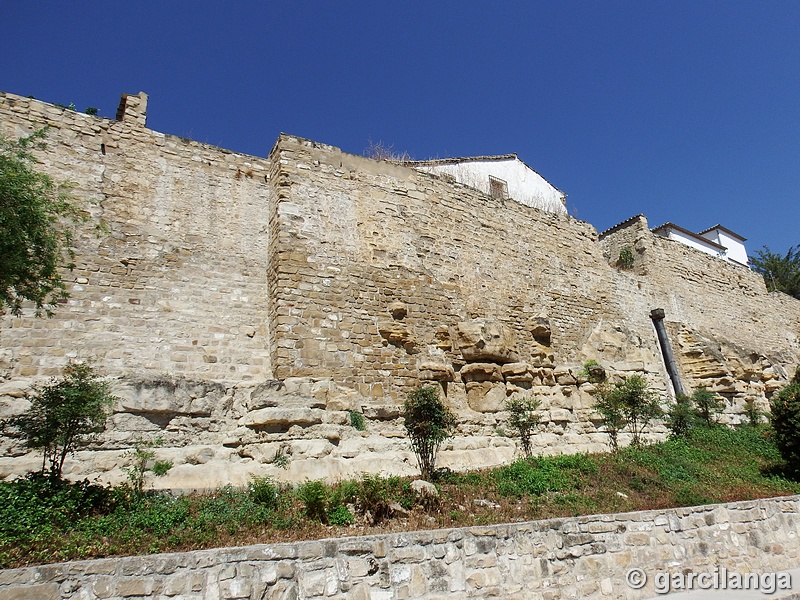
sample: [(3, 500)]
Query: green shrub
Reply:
[(707, 405), (428, 423), (340, 515), (314, 496), (523, 419), (627, 404), (264, 491), (143, 460), (375, 493), (753, 414), (37, 504), (345, 492), (785, 419)]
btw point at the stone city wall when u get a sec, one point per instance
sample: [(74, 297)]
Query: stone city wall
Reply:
[(242, 306), (582, 557), (385, 276), (728, 333), (175, 283)]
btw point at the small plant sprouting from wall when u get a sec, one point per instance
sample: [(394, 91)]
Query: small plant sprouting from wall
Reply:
[(626, 258), (281, 458), (593, 371), (380, 151), (357, 421)]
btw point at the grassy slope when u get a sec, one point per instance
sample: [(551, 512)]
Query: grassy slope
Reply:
[(40, 522)]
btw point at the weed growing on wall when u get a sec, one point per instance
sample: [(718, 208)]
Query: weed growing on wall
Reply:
[(143, 461), (357, 421), (626, 258)]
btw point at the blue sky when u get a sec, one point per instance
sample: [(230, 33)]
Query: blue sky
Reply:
[(686, 111)]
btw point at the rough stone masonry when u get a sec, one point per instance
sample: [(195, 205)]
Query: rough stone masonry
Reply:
[(243, 306)]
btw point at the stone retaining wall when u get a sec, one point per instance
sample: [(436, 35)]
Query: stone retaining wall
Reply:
[(582, 557)]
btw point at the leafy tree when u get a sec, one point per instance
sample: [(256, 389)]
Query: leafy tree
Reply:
[(428, 423), (781, 273), (64, 416), (36, 219), (707, 405), (523, 419), (610, 408), (627, 404), (785, 420)]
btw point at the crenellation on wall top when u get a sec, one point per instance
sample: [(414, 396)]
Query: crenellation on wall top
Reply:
[(133, 109), (637, 221)]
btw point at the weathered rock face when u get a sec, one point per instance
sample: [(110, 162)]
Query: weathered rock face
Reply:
[(484, 340), (481, 372)]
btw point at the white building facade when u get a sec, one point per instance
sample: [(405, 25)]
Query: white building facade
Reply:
[(502, 176), (717, 241)]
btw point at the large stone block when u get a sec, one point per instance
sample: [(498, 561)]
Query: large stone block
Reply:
[(169, 396), (282, 418), (430, 371), (481, 372), (483, 340), (486, 396)]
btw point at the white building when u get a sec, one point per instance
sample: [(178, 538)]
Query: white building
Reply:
[(733, 243), (502, 176), (717, 241)]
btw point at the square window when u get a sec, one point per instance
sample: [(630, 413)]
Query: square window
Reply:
[(497, 188)]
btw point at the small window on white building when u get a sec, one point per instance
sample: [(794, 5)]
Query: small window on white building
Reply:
[(497, 188)]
